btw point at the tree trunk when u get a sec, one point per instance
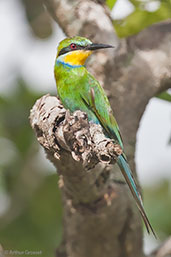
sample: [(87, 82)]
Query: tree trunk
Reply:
[(100, 216)]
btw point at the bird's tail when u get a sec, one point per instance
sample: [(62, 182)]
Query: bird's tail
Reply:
[(126, 171)]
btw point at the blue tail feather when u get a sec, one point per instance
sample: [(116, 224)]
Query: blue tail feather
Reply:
[(126, 171), (123, 164)]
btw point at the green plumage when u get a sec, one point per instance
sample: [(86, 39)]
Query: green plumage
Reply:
[(75, 92), (79, 90)]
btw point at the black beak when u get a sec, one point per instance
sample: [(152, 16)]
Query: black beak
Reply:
[(97, 46)]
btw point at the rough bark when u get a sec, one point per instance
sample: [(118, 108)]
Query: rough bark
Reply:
[(100, 217), (92, 191)]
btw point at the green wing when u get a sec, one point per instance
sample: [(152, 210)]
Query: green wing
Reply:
[(97, 102)]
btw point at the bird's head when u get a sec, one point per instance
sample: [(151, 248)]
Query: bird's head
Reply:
[(74, 51)]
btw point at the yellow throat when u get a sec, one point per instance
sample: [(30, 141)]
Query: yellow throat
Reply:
[(77, 57)]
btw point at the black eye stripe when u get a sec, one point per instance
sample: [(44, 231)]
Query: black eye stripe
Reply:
[(64, 51), (68, 49)]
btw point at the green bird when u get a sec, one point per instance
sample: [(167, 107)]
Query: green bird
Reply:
[(79, 90)]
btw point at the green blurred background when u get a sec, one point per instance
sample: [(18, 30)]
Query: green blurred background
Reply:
[(30, 203)]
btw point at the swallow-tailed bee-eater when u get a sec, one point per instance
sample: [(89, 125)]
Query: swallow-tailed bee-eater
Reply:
[(79, 90)]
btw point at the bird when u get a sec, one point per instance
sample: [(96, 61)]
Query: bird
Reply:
[(79, 90)]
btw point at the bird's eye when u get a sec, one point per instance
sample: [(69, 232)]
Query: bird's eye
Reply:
[(73, 46)]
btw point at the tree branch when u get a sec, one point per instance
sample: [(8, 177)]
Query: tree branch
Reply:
[(139, 68), (91, 191), (73, 133)]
